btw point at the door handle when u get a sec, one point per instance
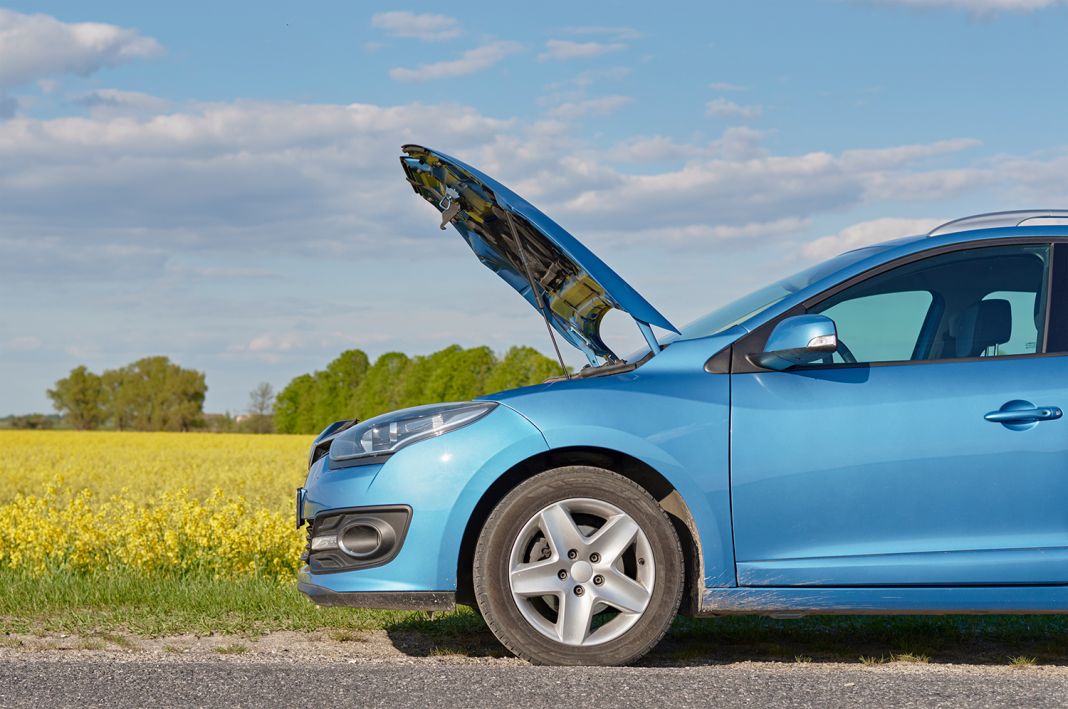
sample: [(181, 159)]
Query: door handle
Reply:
[(1021, 415)]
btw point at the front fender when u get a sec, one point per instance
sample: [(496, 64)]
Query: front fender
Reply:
[(713, 525), (672, 416)]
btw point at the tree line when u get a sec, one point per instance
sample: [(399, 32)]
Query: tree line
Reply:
[(155, 394), (352, 386)]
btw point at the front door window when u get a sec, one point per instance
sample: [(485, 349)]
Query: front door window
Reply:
[(984, 302)]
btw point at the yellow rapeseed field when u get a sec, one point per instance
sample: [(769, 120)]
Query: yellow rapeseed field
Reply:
[(154, 503)]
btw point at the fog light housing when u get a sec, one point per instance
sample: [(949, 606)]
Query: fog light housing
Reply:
[(356, 538), (366, 537)]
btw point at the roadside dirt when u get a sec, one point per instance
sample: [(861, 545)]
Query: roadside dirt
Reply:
[(375, 645), (371, 647)]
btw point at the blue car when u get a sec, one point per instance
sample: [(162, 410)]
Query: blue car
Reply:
[(880, 433)]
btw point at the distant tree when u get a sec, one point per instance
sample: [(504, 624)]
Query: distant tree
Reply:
[(457, 374), (219, 423), (382, 387), (348, 387), (417, 378), (81, 398), (31, 422), (261, 408), (155, 394), (335, 386), (294, 407), (522, 366)]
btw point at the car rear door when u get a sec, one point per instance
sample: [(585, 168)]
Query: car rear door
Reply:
[(939, 458)]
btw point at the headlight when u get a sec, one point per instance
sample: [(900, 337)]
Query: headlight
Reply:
[(388, 433)]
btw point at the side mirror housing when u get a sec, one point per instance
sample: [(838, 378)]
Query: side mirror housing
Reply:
[(801, 339)]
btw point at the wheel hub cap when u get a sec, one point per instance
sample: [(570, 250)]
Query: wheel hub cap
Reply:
[(581, 571)]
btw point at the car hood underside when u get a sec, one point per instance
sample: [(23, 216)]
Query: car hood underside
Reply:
[(551, 269)]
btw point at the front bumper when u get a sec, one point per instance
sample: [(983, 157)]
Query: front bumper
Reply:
[(440, 480)]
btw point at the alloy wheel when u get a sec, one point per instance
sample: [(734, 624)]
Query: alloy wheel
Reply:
[(581, 571)]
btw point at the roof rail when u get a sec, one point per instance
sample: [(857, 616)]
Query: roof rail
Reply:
[(993, 220)]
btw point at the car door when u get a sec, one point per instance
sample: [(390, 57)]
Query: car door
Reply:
[(909, 467)]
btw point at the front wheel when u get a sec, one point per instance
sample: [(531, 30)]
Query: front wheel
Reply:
[(578, 566)]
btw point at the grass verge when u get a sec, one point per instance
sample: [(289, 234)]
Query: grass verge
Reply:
[(157, 606), (103, 605)]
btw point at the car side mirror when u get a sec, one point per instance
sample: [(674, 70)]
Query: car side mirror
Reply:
[(801, 339)]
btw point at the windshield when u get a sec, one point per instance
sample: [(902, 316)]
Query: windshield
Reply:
[(757, 302)]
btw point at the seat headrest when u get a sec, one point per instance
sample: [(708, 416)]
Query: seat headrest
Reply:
[(984, 324)]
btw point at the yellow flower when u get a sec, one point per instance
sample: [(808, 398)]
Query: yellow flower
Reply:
[(156, 503)]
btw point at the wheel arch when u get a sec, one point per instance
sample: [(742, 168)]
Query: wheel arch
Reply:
[(618, 462)]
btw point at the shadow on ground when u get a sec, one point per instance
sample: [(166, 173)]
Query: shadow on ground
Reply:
[(981, 640)]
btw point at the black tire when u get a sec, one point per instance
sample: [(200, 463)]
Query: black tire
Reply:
[(493, 558)]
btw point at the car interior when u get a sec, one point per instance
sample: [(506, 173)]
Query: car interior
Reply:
[(984, 302)]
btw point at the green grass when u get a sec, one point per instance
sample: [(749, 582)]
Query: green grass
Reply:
[(112, 607), (232, 649), (89, 605), (910, 657)]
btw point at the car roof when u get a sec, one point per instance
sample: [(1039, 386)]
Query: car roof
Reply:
[(996, 220)]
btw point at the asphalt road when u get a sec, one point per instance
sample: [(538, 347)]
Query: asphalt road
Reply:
[(86, 681)]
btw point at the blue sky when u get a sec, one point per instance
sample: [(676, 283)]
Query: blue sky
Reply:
[(218, 182)]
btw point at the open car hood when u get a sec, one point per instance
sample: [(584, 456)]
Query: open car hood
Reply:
[(572, 288)]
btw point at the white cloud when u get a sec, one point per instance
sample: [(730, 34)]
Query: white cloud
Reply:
[(726, 86), (38, 46), (650, 149), (23, 343), (599, 106), (739, 143), (981, 7), (736, 143), (115, 101), (733, 181), (865, 234), (565, 49), (903, 154), (275, 347), (471, 61), (425, 27), (928, 185), (722, 108), (706, 235), (137, 189), (223, 178), (1036, 180)]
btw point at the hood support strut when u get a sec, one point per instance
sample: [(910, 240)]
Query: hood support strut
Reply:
[(542, 305), (647, 333)]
